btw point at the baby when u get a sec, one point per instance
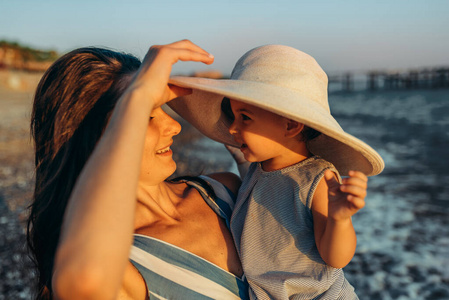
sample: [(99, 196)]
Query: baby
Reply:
[(291, 222)]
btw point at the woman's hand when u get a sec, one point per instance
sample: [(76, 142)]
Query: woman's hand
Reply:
[(152, 77)]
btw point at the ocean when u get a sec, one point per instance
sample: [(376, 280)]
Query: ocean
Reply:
[(403, 231)]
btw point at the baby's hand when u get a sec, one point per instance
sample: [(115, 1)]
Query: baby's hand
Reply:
[(237, 155), (347, 198), (242, 163)]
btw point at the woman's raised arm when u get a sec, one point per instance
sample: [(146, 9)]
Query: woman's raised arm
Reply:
[(99, 221)]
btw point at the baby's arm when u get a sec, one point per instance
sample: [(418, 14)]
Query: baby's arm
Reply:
[(333, 205)]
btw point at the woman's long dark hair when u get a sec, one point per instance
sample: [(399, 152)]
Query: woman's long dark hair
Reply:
[(72, 105)]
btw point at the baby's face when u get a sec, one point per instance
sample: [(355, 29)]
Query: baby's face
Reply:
[(260, 133)]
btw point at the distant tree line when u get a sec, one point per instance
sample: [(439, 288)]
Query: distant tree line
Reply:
[(13, 55)]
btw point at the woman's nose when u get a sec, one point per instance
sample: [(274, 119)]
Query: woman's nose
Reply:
[(173, 127)]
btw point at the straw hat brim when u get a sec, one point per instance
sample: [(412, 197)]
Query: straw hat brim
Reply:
[(202, 109)]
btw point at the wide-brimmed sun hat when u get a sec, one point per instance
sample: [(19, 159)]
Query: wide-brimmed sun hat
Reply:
[(287, 82)]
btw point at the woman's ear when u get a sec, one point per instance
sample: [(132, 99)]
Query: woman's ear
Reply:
[(293, 128)]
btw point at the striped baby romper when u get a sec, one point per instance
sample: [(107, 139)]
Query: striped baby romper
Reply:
[(272, 226)]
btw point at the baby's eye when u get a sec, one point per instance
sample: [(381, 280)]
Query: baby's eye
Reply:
[(245, 117), (151, 118)]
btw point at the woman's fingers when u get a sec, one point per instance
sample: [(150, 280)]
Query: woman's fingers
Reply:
[(191, 55), (156, 67), (187, 44), (177, 91), (182, 50)]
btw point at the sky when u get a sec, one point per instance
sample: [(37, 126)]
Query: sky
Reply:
[(349, 35)]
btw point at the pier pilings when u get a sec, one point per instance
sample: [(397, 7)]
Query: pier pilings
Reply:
[(424, 78)]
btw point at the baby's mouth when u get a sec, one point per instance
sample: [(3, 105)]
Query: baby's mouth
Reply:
[(243, 147)]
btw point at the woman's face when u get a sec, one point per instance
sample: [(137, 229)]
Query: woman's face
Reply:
[(157, 162)]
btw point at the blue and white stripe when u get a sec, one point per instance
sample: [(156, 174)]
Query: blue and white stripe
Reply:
[(171, 272)]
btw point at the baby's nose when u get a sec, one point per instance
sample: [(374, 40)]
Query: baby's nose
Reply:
[(233, 128)]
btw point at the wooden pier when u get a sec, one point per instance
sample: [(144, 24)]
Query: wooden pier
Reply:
[(425, 78)]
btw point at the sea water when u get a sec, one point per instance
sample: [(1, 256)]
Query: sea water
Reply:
[(403, 231)]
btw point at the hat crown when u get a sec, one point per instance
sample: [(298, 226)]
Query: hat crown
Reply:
[(284, 67)]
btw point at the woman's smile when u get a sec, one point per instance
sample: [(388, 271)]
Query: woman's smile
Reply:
[(164, 151)]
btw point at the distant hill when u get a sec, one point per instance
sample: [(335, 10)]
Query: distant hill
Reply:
[(19, 57)]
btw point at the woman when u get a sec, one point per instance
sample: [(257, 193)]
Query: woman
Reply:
[(102, 141)]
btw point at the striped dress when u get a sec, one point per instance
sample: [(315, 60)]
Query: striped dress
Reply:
[(171, 272), (272, 226)]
